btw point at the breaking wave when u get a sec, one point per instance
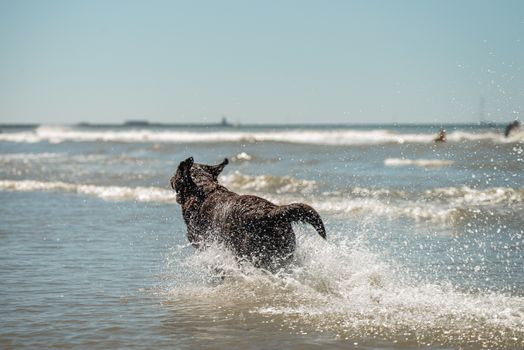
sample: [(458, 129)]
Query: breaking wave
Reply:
[(343, 288), (267, 183), (317, 137), (424, 163), (139, 194), (57, 157), (469, 196), (442, 205), (28, 156), (376, 207)]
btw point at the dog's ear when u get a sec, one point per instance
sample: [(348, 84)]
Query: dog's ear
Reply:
[(186, 164), (185, 168), (183, 175), (215, 170)]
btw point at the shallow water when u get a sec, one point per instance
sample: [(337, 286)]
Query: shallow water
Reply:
[(425, 241)]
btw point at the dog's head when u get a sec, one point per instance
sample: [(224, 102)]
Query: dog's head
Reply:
[(193, 179), (204, 174), (182, 183)]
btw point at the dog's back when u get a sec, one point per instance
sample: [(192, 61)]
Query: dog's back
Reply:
[(252, 227)]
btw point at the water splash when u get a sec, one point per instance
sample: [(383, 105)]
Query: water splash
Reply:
[(343, 288)]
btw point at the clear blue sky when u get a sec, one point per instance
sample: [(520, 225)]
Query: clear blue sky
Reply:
[(261, 61)]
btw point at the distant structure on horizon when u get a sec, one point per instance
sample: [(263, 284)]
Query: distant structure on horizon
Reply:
[(224, 122), (136, 123), (142, 123)]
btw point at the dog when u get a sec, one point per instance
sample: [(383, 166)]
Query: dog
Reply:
[(253, 228)]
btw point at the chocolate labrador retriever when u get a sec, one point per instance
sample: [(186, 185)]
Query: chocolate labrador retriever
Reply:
[(252, 227)]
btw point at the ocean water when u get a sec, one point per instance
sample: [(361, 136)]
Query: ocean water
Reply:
[(425, 240)]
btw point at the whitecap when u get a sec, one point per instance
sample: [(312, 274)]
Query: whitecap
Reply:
[(424, 163), (237, 181), (139, 194), (7, 157), (54, 134), (242, 157), (441, 205)]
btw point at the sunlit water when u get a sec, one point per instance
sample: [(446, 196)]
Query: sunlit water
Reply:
[(425, 241)]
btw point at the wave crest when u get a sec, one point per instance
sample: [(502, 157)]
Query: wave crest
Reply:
[(242, 157), (301, 136), (424, 163), (139, 194), (469, 196), (442, 205), (267, 183)]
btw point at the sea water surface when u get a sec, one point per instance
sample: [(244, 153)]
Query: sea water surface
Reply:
[(425, 240)]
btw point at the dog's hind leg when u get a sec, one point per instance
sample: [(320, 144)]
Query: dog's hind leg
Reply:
[(300, 212)]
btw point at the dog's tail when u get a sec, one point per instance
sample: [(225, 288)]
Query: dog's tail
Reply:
[(301, 212)]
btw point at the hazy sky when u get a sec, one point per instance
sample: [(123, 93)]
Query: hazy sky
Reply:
[(261, 61)]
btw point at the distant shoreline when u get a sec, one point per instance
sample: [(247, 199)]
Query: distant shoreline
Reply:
[(253, 126)]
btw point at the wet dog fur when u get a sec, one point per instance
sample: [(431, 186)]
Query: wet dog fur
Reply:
[(252, 227)]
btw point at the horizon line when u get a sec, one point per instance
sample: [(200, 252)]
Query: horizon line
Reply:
[(134, 123)]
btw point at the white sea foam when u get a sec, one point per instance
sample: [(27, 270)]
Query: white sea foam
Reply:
[(485, 136), (242, 157), (27, 156), (393, 209), (267, 183), (319, 137), (424, 163), (441, 205), (54, 157), (279, 192), (469, 196), (140, 194), (343, 288)]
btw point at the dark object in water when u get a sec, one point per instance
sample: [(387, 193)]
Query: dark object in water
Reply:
[(441, 136), (252, 227), (136, 123), (510, 127)]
